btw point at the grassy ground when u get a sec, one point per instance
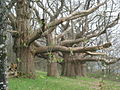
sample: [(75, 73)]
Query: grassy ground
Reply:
[(42, 82), (113, 77)]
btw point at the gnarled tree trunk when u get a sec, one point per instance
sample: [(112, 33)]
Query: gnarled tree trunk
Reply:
[(80, 68), (24, 56), (52, 69), (52, 64), (68, 66), (25, 61), (72, 67)]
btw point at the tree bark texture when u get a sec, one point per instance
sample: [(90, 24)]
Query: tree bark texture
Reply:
[(72, 67), (52, 63), (3, 74), (52, 69), (25, 61), (23, 52)]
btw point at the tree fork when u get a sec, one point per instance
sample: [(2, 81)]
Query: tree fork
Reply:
[(24, 54)]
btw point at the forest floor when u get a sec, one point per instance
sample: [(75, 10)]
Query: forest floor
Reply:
[(43, 82)]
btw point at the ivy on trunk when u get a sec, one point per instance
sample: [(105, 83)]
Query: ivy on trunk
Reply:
[(3, 74)]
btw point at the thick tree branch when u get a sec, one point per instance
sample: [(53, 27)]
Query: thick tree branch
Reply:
[(39, 34), (107, 60), (45, 49), (96, 53)]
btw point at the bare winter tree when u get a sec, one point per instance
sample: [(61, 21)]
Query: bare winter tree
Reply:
[(77, 38), (64, 27)]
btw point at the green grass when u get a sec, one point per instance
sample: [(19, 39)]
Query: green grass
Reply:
[(113, 77), (42, 82)]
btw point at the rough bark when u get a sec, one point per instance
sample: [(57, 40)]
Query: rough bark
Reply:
[(80, 68), (25, 61), (25, 57), (68, 68), (52, 69), (52, 64), (3, 74), (72, 68)]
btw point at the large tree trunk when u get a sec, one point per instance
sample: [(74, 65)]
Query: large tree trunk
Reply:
[(52, 69), (68, 66), (25, 61), (23, 51), (71, 67), (80, 68), (52, 63)]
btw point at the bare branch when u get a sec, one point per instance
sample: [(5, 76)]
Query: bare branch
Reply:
[(12, 31), (63, 33), (71, 42), (73, 16), (59, 9), (37, 14), (12, 19), (40, 4), (69, 49), (39, 34), (95, 53), (94, 59)]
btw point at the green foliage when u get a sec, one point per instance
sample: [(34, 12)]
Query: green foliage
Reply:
[(86, 40), (43, 82), (24, 44), (60, 60), (71, 52), (50, 54), (18, 60)]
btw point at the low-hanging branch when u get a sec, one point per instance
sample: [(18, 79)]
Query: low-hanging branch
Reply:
[(106, 60), (96, 53), (45, 49)]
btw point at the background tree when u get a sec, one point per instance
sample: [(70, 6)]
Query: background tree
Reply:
[(85, 29), (29, 29)]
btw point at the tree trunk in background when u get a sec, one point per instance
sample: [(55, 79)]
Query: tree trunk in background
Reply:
[(3, 74), (80, 68), (70, 67), (52, 69), (52, 63)]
